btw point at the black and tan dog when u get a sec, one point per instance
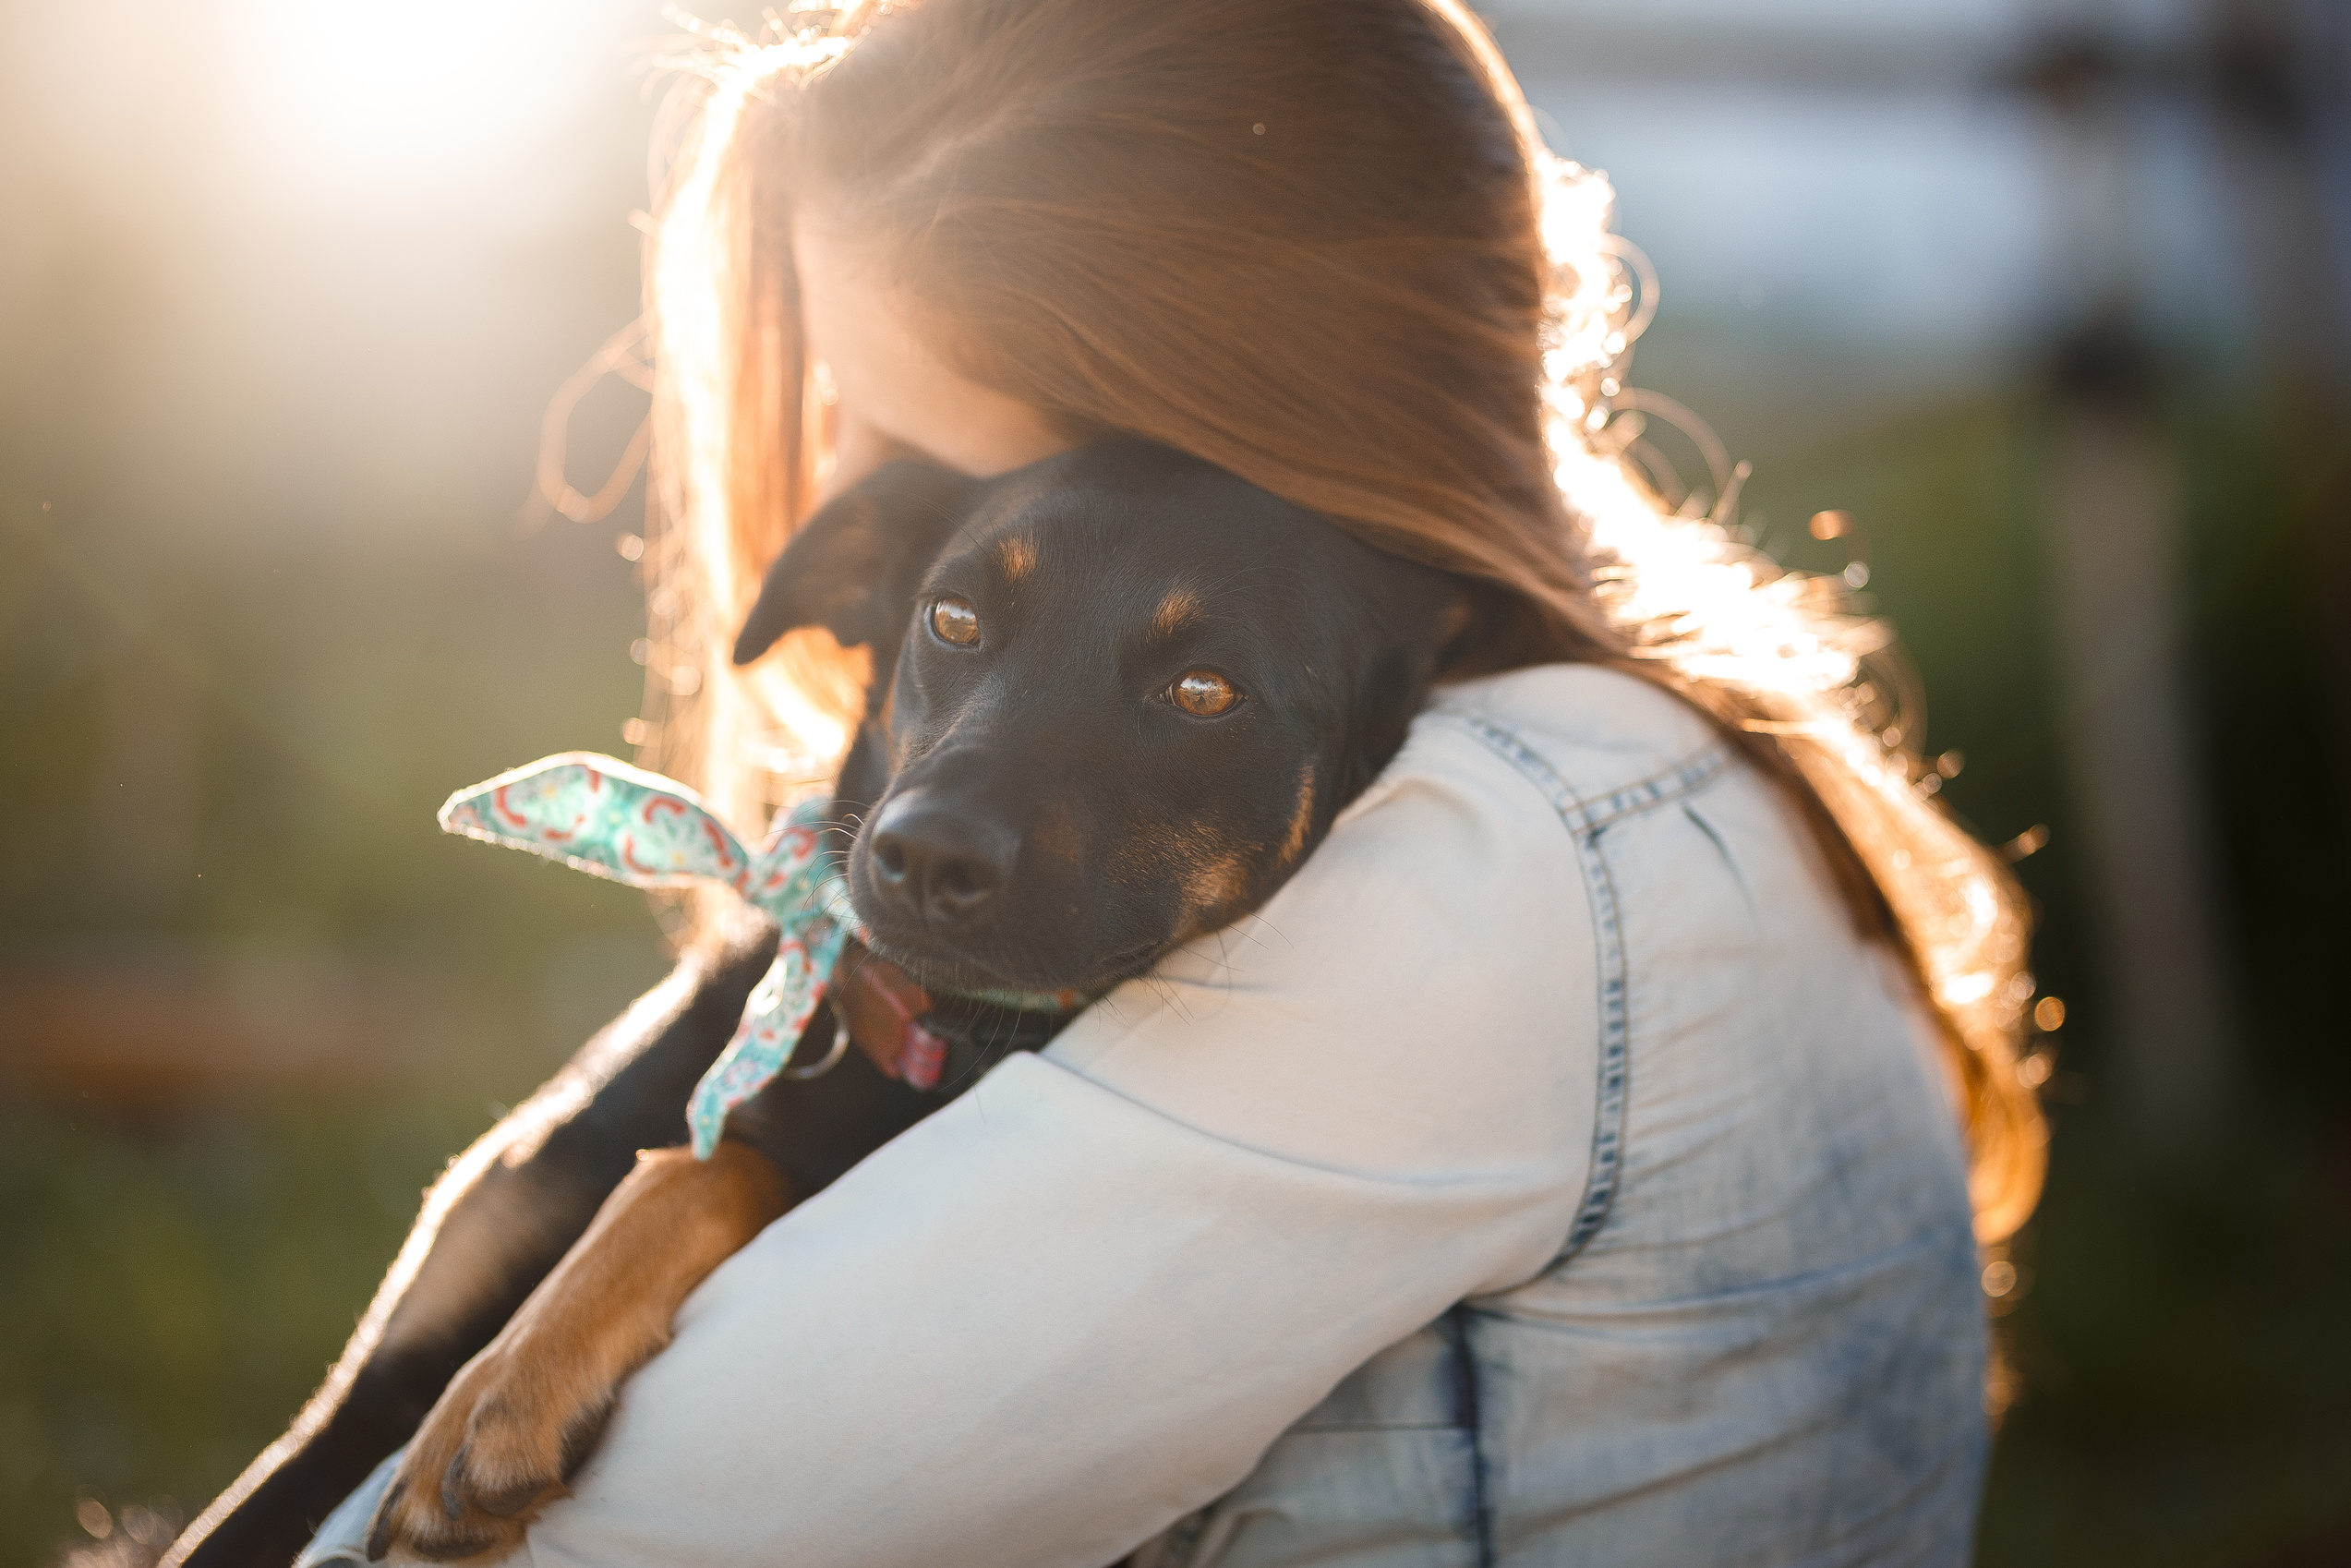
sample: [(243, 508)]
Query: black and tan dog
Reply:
[(1119, 697)]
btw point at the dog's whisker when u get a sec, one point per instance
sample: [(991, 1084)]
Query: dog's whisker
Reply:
[(1260, 919), (1224, 961), (1242, 928)]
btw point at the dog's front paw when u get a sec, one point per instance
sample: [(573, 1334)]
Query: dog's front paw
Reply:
[(495, 1450), (524, 1415)]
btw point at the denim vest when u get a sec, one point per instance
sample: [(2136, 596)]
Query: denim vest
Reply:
[(1762, 1340)]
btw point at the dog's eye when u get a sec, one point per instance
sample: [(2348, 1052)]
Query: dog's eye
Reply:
[(1203, 694), (954, 620)]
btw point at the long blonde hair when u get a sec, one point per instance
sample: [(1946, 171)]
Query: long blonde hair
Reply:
[(1321, 245)]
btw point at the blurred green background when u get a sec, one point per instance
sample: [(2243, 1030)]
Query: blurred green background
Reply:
[(287, 287)]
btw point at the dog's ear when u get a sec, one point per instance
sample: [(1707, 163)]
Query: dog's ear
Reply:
[(1418, 613), (854, 567)]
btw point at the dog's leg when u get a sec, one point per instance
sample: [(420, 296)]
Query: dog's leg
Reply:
[(490, 1230), (523, 1415)]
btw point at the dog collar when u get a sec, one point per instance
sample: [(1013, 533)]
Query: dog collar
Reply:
[(602, 816)]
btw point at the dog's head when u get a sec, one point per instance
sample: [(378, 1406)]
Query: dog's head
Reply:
[(1119, 696)]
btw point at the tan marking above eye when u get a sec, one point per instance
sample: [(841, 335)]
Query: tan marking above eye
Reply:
[(953, 621), (1178, 610), (1203, 694), (1018, 554)]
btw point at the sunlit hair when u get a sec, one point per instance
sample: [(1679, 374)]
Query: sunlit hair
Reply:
[(1321, 245)]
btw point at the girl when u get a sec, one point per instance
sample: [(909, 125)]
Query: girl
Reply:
[(1587, 1156)]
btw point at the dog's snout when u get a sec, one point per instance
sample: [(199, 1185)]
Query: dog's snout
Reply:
[(937, 862)]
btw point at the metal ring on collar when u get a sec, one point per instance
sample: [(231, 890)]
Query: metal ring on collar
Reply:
[(832, 1058)]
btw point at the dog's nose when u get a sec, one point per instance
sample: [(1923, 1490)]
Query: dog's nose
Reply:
[(939, 862)]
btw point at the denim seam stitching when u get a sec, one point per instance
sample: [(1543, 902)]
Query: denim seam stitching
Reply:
[(1585, 821), (1469, 1417), (1616, 1030)]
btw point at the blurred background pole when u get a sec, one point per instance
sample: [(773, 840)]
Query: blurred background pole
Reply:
[(2280, 102), (2172, 1037), (2128, 734)]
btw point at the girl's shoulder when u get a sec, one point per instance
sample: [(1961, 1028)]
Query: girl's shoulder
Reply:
[(1580, 740)]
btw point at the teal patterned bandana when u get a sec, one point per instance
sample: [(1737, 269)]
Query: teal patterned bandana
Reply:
[(610, 819)]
